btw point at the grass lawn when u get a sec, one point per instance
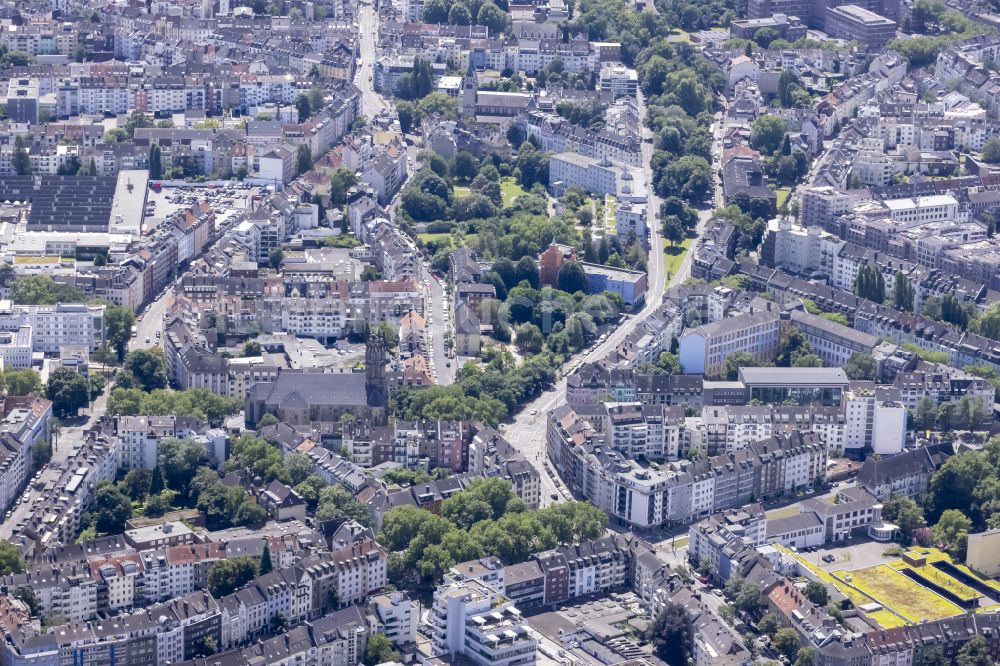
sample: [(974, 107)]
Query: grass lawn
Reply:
[(782, 193), (894, 590), (435, 238), (510, 190), (674, 255), (462, 191), (783, 512)]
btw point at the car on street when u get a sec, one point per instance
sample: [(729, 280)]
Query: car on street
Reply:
[(554, 496), (534, 411)]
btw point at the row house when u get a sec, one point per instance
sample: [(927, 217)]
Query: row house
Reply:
[(168, 633), (24, 425), (650, 494), (557, 135)]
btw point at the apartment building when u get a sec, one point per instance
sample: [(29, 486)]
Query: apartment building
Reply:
[(471, 620), (397, 616), (56, 326), (25, 423), (704, 349), (875, 418), (643, 432), (710, 539), (140, 437)]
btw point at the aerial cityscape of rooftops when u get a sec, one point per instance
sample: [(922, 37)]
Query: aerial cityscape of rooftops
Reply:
[(499, 332)]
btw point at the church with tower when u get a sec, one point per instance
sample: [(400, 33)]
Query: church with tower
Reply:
[(304, 400), (488, 105)]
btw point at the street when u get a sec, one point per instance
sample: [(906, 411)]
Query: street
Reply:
[(372, 103), (67, 441), (151, 322), (527, 432), (437, 328)]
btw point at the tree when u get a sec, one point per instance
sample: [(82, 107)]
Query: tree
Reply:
[(68, 390), (178, 459), (952, 530), (303, 160), (251, 348), (744, 594), (671, 635), (870, 284), (336, 502), (767, 133), (689, 177), (136, 483), (930, 655), (902, 292), (118, 322), (147, 368), (136, 120), (532, 164), (41, 454), (155, 162), (806, 656), (861, 366), (493, 18), (459, 14), (991, 150), (475, 206), (572, 277), (265, 560), (786, 642), (21, 382), (769, 624), (526, 270), (764, 36), (465, 166), (406, 111), (792, 346), (817, 593), (228, 575), (267, 420), (529, 339), (275, 257), (379, 650), (905, 513), (20, 160), (111, 509), (925, 414), (11, 560), (303, 107), (975, 652), (43, 290), (156, 481), (738, 360), (257, 457), (342, 180)]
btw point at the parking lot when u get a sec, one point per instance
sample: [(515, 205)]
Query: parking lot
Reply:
[(226, 201), (858, 553)]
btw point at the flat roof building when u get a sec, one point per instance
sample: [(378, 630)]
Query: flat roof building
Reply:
[(22, 100), (857, 23), (805, 385)]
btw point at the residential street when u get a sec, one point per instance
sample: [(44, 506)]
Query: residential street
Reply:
[(527, 432), (372, 103), (68, 439)]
